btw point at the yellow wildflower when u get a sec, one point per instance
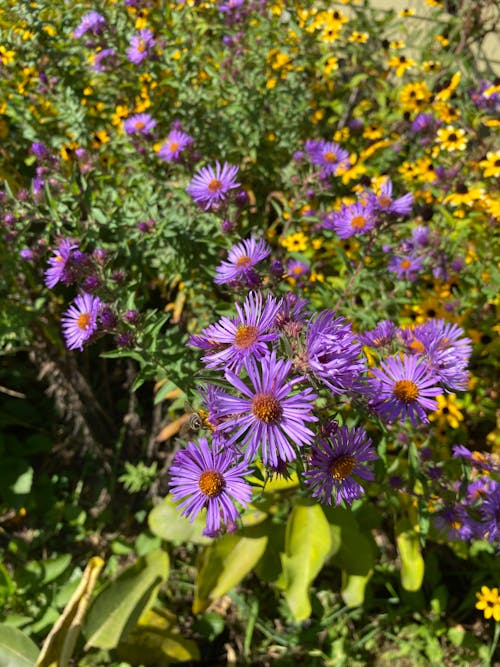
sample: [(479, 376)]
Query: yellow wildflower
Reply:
[(400, 64), (491, 164), (488, 601), (447, 412), (451, 138), (295, 242)]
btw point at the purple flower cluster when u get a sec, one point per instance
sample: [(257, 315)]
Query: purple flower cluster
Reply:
[(327, 155), (141, 46)]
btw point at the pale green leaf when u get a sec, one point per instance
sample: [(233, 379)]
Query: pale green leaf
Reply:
[(307, 545), (16, 649), (165, 521), (119, 605), (412, 563)]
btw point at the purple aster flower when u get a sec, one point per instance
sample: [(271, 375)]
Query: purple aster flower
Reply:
[(424, 122), (92, 22), (335, 463), (292, 314), (479, 489), (328, 155), (480, 460), (382, 335), (141, 45), (139, 123), (384, 202), (247, 335), (230, 5), (174, 144), (240, 260), (333, 353), (405, 267), (39, 150), (297, 269), (207, 477), (103, 59), (404, 387), (26, 254), (455, 523), (269, 416), (490, 515), (79, 322), (356, 218), (58, 264), (420, 235), (209, 187)]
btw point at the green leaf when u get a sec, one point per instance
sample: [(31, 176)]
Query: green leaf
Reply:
[(16, 649), (225, 562), (412, 563), (307, 545), (165, 521), (157, 640), (119, 605)]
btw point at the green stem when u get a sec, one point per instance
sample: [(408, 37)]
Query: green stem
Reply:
[(494, 642)]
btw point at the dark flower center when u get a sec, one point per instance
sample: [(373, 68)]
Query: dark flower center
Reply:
[(384, 201), (211, 483), (452, 137), (246, 335), (214, 185), (406, 391), (266, 408), (83, 321), (342, 466)]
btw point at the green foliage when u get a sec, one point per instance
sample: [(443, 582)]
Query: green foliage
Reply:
[(16, 650)]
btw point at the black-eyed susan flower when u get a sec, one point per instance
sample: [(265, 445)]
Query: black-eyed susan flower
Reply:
[(451, 138), (400, 64), (448, 412), (488, 601), (491, 164)]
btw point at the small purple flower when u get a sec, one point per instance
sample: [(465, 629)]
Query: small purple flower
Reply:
[(490, 515), (247, 335), (92, 22), (58, 264), (176, 142), (356, 218), (240, 260), (403, 387), (141, 45), (103, 59), (480, 460), (421, 234), (39, 150), (139, 123), (79, 322), (335, 463), (424, 122), (297, 269), (26, 254), (204, 476), (405, 267), (328, 155), (209, 187), (384, 202), (333, 353), (269, 416), (382, 335), (230, 5), (455, 523)]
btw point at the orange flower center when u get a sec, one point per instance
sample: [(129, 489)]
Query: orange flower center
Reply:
[(173, 146), (341, 467), (330, 157), (140, 125), (417, 346), (244, 260), (358, 222), (246, 335), (59, 259), (83, 321), (266, 408), (406, 391), (405, 264), (141, 46), (211, 483), (214, 185), (384, 201)]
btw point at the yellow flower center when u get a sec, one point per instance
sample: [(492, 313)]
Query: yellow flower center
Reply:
[(246, 335), (341, 467), (266, 408), (141, 46), (211, 483), (330, 157), (406, 391), (214, 185), (358, 222), (244, 260), (83, 321)]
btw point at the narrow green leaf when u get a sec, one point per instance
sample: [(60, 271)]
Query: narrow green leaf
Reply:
[(16, 649), (119, 605), (307, 545)]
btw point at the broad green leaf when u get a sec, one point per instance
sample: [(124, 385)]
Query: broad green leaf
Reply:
[(225, 562), (44, 572), (165, 521), (307, 544), (157, 640), (412, 563), (120, 604), (60, 643), (16, 649)]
